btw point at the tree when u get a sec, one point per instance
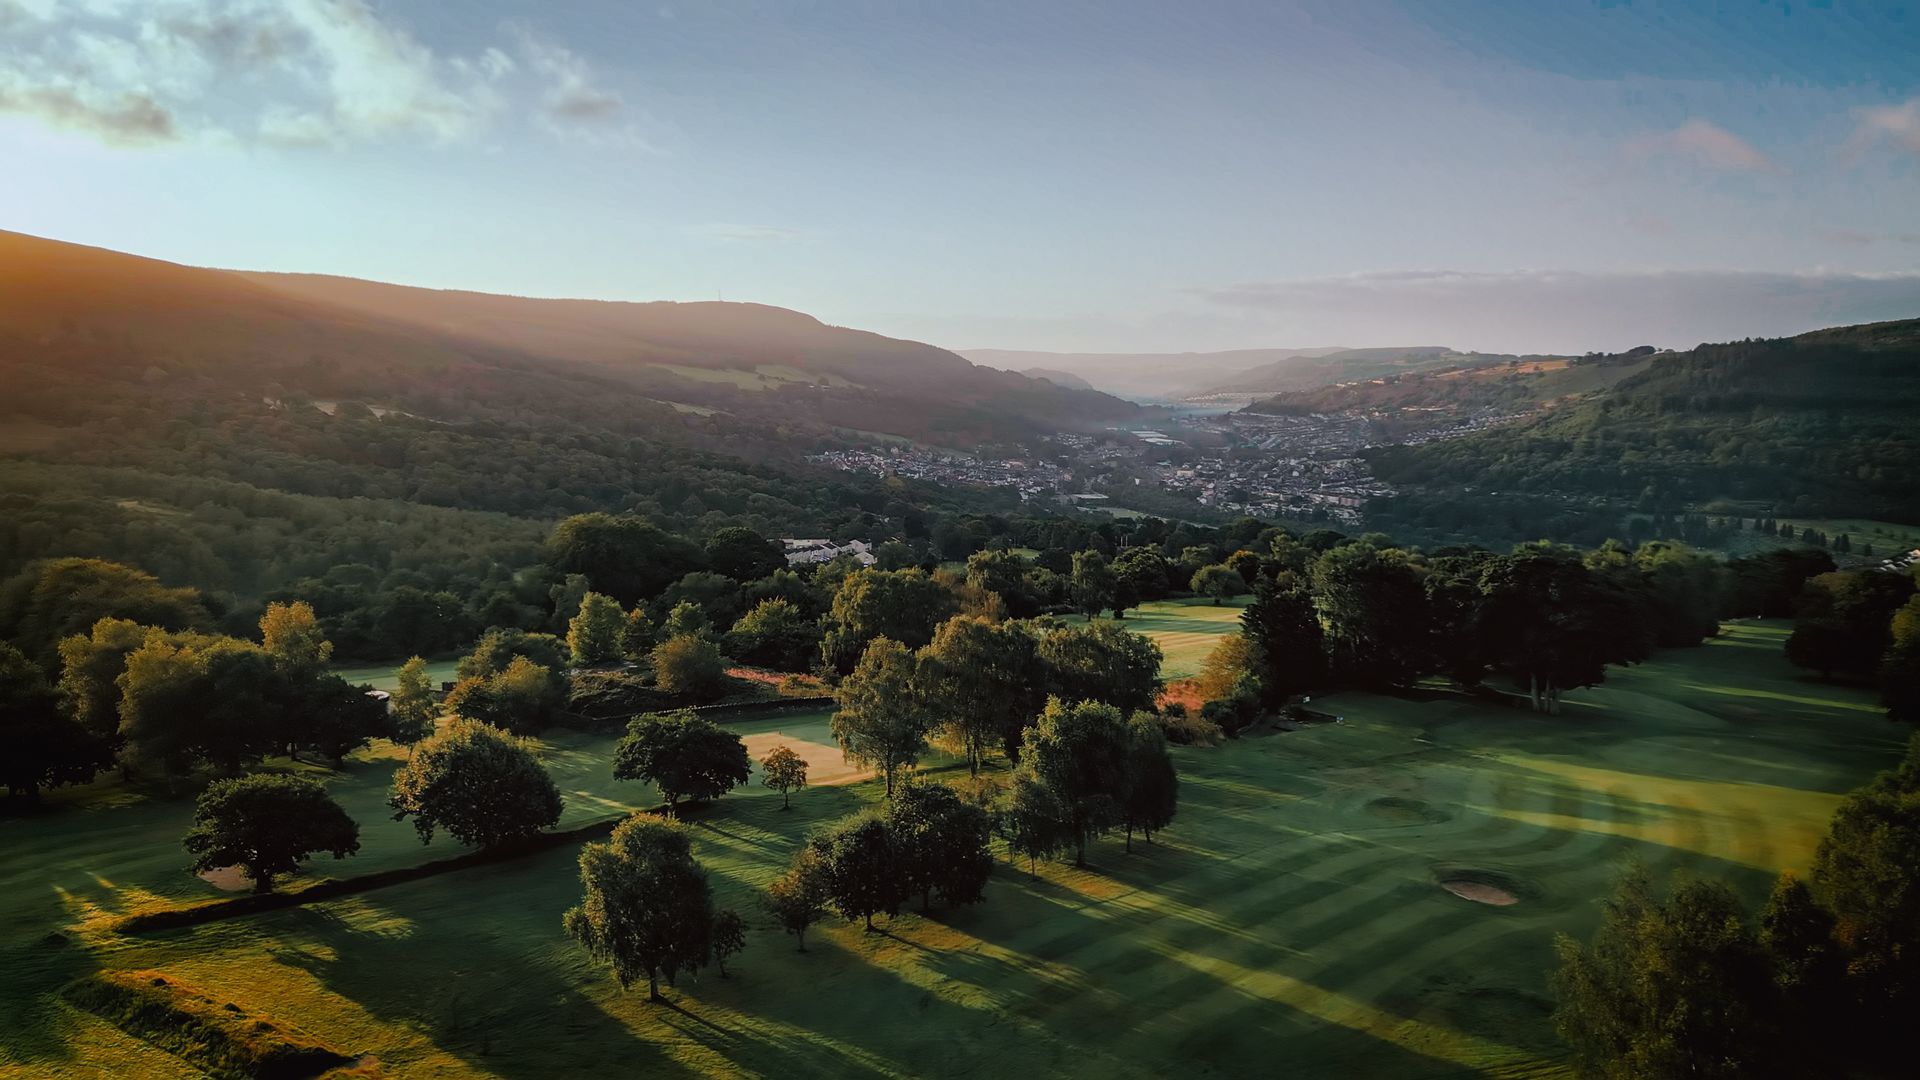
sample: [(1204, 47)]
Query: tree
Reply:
[(1845, 621), (744, 555), (940, 843), (686, 619), (1140, 574), (331, 717), (187, 698), (880, 724), (1152, 790), (799, 898), (691, 667), (40, 745), (981, 682), (859, 869), (1372, 609), (1101, 661), (1552, 624), (51, 600), (637, 637), (1005, 574), (267, 825), (1286, 640), (729, 936), (1668, 988), (1219, 582), (496, 649), (292, 636), (90, 670), (626, 557), (593, 634), (904, 605), (648, 911), (520, 698), (1094, 583), (1079, 753), (785, 772), (480, 784), (1900, 667), (775, 634), (413, 703), (683, 754), (1032, 821)]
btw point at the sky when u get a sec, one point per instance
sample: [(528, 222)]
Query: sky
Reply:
[(1041, 174)]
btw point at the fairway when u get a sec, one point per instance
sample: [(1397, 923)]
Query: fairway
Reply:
[(1292, 921), (387, 676), (1185, 630)]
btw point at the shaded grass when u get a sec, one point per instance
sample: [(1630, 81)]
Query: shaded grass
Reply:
[(1283, 923)]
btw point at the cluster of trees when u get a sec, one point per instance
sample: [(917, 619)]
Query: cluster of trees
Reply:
[(170, 698), (1821, 982), (1363, 612), (1863, 625)]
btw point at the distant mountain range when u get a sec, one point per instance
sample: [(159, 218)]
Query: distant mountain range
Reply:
[(1233, 377), (1158, 377)]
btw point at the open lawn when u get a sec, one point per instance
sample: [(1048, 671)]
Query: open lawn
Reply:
[(1185, 630), (1292, 921), (387, 676)]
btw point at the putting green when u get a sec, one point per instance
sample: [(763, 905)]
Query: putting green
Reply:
[(1293, 918)]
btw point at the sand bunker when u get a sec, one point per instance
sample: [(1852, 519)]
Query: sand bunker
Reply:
[(229, 878), (1480, 892)]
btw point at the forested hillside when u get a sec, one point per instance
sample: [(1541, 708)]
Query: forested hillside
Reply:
[(240, 432), (1820, 424), (1514, 386)]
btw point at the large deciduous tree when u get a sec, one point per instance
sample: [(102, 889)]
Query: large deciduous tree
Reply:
[(1669, 988), (593, 634), (744, 555), (1101, 661), (940, 843), (1284, 633), (1095, 585), (480, 784), (880, 723), (625, 556), (775, 634), (522, 697), (904, 605), (1152, 791), (648, 911), (860, 872), (267, 825), (1078, 752), (414, 703), (981, 682), (683, 754), (798, 898), (1553, 625), (1372, 608)]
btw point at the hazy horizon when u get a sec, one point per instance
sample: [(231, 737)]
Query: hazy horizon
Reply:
[(1080, 178)]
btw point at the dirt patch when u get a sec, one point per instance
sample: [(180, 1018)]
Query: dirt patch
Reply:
[(228, 879), (1480, 893), (1392, 810), (825, 764)]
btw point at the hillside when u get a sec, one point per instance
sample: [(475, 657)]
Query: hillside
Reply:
[(1058, 378), (243, 432), (1142, 376), (1342, 366), (1819, 425), (1515, 386)]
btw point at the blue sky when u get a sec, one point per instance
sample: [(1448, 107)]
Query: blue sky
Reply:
[(1082, 176)]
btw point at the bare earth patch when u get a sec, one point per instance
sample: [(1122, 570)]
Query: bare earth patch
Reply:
[(228, 879), (1480, 892), (825, 764)]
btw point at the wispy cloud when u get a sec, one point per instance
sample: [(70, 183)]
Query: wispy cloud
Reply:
[(1898, 124), (279, 72), (1705, 144), (1544, 310)]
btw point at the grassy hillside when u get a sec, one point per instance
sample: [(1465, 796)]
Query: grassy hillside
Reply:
[(1820, 425), (1514, 386), (1293, 913)]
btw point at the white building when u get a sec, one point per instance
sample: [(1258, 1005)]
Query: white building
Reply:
[(811, 552)]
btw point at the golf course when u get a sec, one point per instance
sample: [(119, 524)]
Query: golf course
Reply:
[(1372, 897)]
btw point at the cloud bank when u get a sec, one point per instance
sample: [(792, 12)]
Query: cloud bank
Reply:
[(277, 72)]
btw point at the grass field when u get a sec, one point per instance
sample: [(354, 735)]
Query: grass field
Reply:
[(386, 676), (1185, 630), (1290, 921)]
